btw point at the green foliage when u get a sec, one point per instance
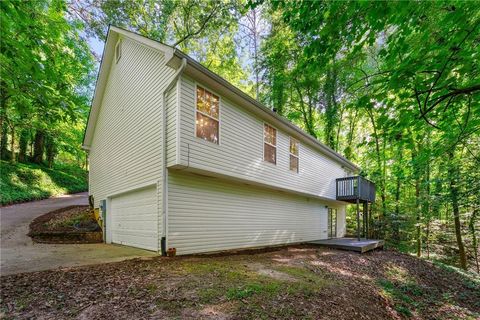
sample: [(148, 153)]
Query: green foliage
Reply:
[(25, 182), (244, 291), (46, 72), (396, 86)]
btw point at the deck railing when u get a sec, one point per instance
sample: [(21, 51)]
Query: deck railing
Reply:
[(353, 188)]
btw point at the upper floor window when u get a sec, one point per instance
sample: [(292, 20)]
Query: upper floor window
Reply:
[(269, 144), (293, 154), (118, 50), (208, 110)]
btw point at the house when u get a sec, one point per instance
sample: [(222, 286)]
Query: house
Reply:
[(180, 158)]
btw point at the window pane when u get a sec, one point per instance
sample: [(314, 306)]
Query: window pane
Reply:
[(269, 153), (293, 146), (207, 102), (207, 128), (215, 106), (270, 135), (293, 163), (201, 103)]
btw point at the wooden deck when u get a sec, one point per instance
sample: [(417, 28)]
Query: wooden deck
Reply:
[(351, 244)]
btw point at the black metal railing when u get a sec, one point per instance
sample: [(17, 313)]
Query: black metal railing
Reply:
[(353, 188)]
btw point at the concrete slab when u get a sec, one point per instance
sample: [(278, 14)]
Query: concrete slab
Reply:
[(351, 244), (18, 253)]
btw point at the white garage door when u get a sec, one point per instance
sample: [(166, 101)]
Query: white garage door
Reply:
[(135, 219)]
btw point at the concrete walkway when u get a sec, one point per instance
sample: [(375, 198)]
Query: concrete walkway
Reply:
[(18, 253)]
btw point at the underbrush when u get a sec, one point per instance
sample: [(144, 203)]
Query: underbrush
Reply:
[(22, 182)]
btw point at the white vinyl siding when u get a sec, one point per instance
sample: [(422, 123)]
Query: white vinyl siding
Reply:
[(240, 153), (134, 219), (206, 214), (126, 149), (171, 102)]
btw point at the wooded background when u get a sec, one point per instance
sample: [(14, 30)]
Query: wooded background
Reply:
[(393, 86)]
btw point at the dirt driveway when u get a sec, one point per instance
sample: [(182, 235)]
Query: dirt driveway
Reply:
[(18, 253)]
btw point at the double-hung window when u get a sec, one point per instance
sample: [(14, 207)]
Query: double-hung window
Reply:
[(207, 115), (293, 154), (269, 144)]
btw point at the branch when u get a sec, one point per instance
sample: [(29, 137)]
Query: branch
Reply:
[(453, 93), (446, 63), (199, 30)]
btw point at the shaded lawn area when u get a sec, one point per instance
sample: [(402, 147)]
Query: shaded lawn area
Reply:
[(284, 283), (22, 182)]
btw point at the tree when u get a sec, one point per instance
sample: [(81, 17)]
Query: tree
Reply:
[(46, 70)]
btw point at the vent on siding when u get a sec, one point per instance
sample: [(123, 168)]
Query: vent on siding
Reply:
[(118, 50)]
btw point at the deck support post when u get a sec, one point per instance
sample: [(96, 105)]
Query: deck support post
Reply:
[(365, 220), (358, 219)]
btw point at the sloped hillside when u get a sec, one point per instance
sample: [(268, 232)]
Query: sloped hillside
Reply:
[(21, 182), (298, 282)]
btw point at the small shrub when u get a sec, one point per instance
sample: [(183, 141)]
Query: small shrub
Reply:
[(244, 291)]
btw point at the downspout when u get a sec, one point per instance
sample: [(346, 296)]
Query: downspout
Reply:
[(164, 156)]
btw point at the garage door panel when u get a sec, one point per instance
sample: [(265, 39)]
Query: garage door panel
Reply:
[(135, 225), (135, 203), (135, 219)]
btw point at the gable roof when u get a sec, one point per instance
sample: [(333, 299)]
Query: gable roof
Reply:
[(173, 58)]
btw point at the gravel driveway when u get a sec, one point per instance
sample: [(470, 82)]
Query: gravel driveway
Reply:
[(18, 253)]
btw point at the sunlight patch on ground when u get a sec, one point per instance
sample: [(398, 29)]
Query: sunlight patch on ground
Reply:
[(340, 271), (398, 273)]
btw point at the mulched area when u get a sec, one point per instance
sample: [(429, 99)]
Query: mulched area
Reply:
[(73, 224), (283, 283)]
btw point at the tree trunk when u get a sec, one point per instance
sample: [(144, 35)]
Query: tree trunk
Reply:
[(12, 144), (331, 108), (4, 141), (472, 226), (453, 177), (50, 150), (306, 112), (23, 145), (380, 170), (398, 188), (418, 219), (38, 147), (351, 130)]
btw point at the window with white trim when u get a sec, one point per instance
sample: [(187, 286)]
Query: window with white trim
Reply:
[(269, 144), (118, 51), (294, 154), (207, 115)]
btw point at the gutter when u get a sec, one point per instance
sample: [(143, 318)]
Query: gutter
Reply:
[(172, 82)]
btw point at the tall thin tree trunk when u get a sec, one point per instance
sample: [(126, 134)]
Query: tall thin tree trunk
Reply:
[(472, 226), (398, 188), (379, 165), (453, 178), (12, 143), (418, 219), (23, 145), (351, 129), (50, 150), (38, 147), (4, 142)]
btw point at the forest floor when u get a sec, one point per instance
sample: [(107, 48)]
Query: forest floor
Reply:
[(290, 282)]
